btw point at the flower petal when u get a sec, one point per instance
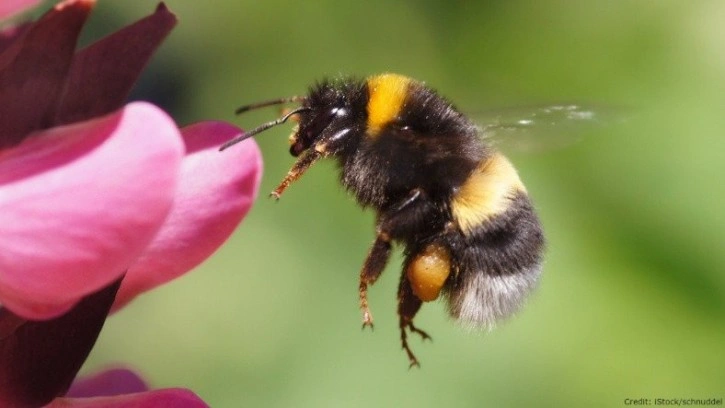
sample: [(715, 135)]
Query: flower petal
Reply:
[(103, 73), (80, 204), (169, 397), (10, 7), (33, 70), (38, 360), (111, 382), (216, 191), (8, 35)]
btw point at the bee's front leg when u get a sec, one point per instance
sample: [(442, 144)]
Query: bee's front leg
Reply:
[(371, 270)]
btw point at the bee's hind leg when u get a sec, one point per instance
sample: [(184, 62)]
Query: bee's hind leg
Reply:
[(408, 306)]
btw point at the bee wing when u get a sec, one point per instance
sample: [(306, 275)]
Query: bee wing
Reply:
[(543, 128)]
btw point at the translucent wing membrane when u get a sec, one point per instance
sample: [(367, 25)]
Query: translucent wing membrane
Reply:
[(542, 128)]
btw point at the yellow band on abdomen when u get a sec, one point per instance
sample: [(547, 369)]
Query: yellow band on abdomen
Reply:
[(486, 193)]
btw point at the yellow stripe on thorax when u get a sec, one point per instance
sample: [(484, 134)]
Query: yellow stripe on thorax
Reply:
[(486, 193), (387, 95)]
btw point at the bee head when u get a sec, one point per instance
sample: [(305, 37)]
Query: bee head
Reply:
[(320, 122), (330, 111)]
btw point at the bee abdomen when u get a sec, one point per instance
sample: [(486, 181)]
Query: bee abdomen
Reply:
[(486, 193), (484, 299), (499, 255)]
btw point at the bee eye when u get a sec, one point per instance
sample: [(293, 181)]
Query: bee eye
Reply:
[(318, 123)]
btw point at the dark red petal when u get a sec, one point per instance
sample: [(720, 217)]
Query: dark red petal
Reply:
[(38, 360), (103, 74), (33, 70), (8, 35)]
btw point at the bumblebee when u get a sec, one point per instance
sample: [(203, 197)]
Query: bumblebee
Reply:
[(455, 204)]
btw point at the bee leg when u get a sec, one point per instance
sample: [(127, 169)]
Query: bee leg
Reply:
[(324, 147), (300, 166), (407, 214), (371, 270), (408, 306), (380, 251)]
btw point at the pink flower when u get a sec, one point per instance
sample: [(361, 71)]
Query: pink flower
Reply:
[(123, 388), (100, 201), (10, 7)]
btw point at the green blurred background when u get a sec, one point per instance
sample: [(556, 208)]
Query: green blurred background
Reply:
[(632, 303)]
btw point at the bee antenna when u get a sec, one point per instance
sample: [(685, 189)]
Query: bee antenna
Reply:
[(272, 102), (262, 128)]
